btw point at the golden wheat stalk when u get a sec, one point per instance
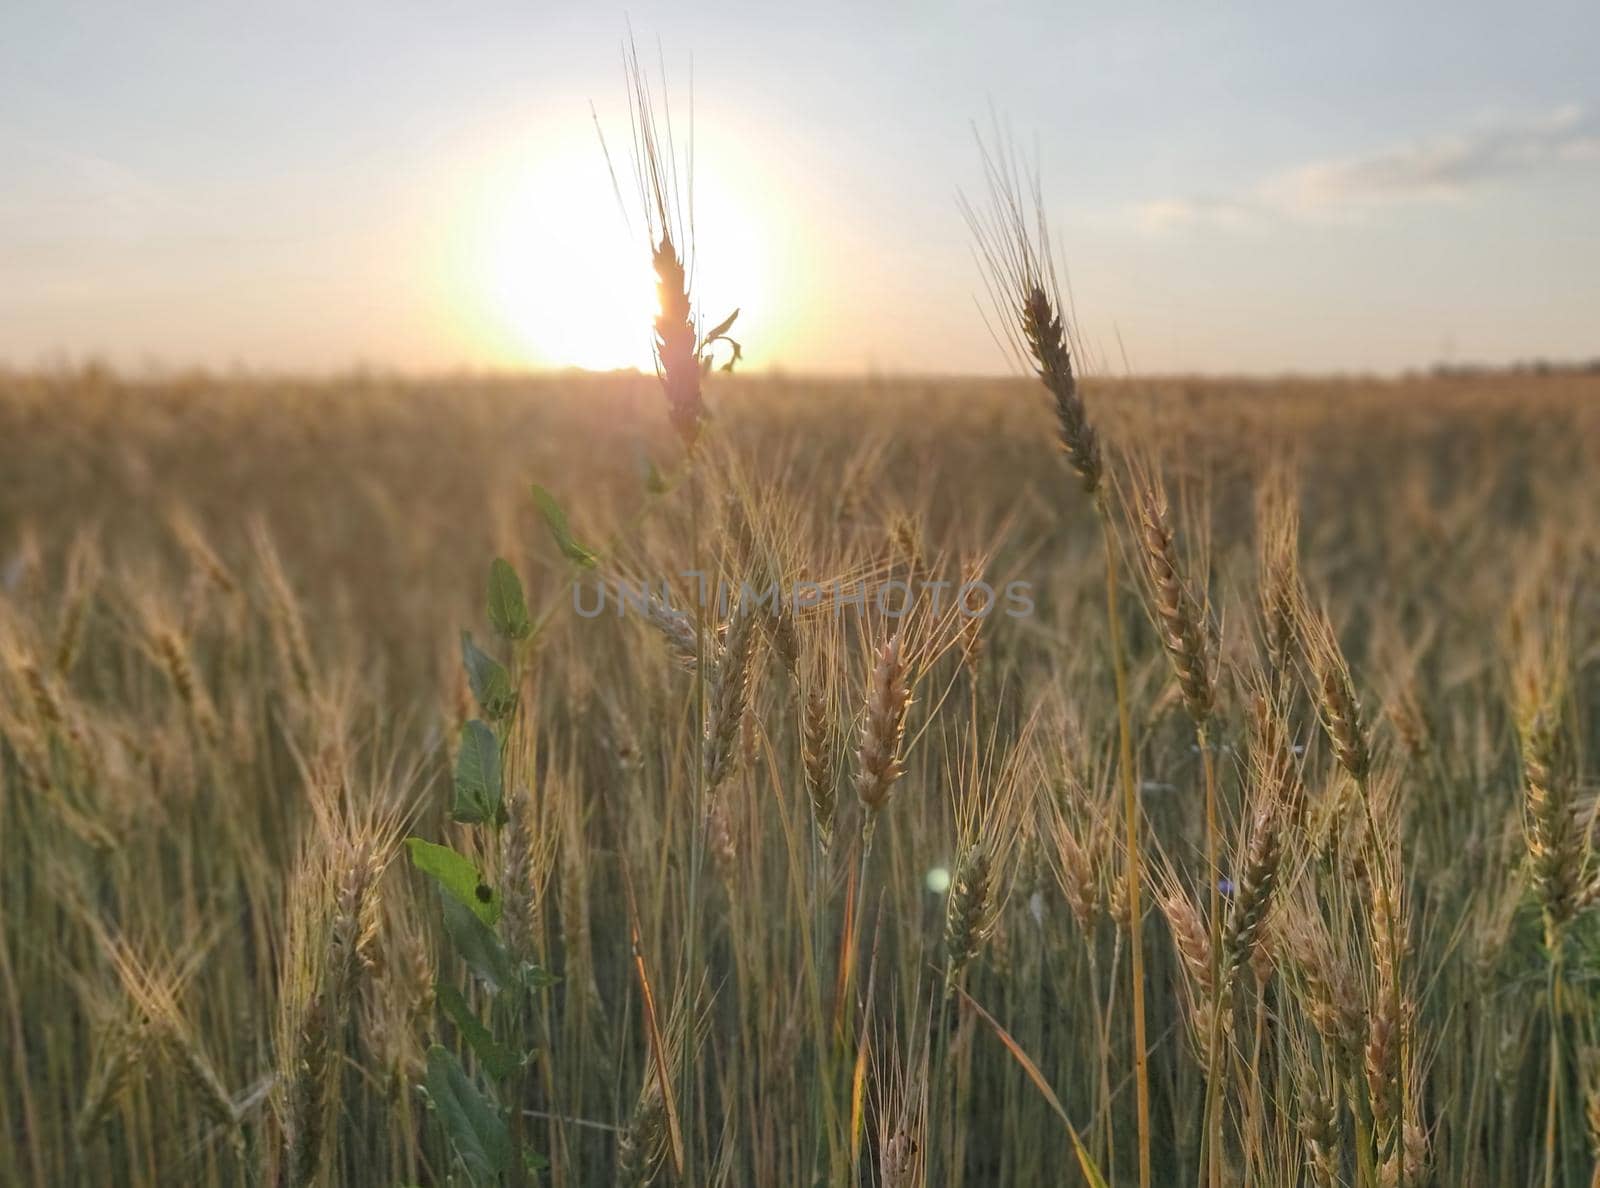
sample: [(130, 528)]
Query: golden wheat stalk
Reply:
[(1179, 616), (819, 745), (878, 762), (1013, 243), (729, 692)]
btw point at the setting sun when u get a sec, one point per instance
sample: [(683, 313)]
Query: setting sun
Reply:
[(557, 275)]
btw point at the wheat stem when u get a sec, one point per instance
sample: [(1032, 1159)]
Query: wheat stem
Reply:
[(1134, 872)]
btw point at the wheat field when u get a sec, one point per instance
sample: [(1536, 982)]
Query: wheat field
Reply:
[(298, 887)]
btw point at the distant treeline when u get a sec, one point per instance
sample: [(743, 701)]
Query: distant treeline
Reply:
[(1519, 367)]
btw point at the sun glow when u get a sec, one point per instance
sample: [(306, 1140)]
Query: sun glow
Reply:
[(557, 276)]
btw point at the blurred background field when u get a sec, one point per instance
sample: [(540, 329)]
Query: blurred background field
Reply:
[(405, 487)]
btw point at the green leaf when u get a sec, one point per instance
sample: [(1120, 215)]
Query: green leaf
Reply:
[(478, 797), (655, 483), (722, 327), (500, 1060), (477, 1131), (508, 609), (477, 944), (720, 334), (556, 520), (490, 682), (537, 977), (457, 877)]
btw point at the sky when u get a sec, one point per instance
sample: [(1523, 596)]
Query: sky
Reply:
[(420, 185)]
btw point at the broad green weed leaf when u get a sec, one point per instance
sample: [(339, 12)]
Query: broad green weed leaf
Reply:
[(490, 682), (499, 1060), (477, 945), (556, 520), (477, 1132), (508, 609), (457, 877), (477, 783)]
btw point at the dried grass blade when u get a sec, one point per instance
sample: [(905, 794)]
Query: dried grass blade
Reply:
[(658, 1049), (1090, 1171)]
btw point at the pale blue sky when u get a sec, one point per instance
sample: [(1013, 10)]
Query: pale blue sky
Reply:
[(1272, 187)]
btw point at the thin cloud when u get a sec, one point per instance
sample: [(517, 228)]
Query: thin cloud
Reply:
[(1446, 169), (102, 198), (1172, 214)]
